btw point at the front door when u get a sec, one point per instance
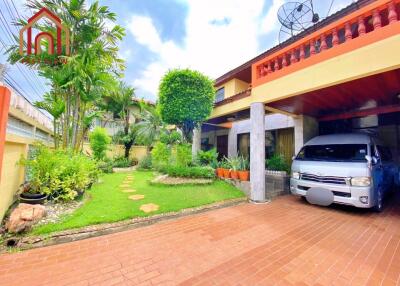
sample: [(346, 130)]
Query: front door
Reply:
[(222, 146)]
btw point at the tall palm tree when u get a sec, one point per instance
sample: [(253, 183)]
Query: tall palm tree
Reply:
[(93, 60)]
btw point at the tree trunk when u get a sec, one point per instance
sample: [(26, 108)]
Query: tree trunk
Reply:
[(196, 145)]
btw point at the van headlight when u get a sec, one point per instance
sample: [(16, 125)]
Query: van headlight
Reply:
[(361, 181), (296, 175)]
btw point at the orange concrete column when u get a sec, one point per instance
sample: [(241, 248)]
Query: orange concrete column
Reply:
[(4, 106)]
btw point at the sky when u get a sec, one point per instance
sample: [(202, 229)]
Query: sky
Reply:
[(211, 36)]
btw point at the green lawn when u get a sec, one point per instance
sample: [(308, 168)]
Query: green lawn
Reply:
[(108, 204)]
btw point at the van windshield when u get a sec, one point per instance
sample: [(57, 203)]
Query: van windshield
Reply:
[(334, 153)]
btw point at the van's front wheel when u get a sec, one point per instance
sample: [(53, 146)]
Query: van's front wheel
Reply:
[(379, 201)]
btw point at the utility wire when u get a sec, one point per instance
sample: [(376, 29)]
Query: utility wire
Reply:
[(33, 76)]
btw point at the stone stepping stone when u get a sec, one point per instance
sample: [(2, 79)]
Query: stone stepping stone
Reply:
[(136, 197), (147, 208), (125, 185), (128, 191)]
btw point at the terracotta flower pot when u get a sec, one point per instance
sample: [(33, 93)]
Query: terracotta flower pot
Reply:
[(227, 173), (234, 175), (244, 175), (220, 172)]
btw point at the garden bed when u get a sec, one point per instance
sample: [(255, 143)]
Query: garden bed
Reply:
[(173, 181)]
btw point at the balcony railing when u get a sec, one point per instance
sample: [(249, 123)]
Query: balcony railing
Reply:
[(369, 19)]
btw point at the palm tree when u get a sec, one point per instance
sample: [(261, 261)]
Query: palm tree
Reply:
[(93, 63), (150, 125), (120, 101), (55, 106)]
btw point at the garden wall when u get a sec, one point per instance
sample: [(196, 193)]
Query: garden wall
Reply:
[(137, 152), (25, 126)]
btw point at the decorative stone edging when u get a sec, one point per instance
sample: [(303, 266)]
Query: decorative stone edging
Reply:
[(30, 242)]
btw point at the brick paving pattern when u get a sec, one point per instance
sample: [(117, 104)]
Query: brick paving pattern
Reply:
[(286, 242)]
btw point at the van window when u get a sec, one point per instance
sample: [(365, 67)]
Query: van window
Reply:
[(334, 153), (384, 153)]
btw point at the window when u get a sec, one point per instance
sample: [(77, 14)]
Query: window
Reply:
[(220, 95), (334, 153), (384, 153)]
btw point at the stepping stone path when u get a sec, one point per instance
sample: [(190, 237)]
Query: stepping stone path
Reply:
[(125, 185), (128, 191), (147, 208), (136, 197)]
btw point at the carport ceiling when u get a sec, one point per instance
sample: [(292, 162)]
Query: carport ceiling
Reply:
[(375, 92)]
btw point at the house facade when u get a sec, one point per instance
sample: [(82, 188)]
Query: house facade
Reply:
[(340, 75)]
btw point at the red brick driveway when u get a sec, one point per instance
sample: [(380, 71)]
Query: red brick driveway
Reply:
[(287, 242)]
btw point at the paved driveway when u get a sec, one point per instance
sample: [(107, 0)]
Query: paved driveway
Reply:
[(287, 242)]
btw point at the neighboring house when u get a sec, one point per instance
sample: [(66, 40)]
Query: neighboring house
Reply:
[(341, 75), (113, 123), (25, 126)]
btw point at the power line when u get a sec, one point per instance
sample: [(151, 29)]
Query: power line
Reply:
[(33, 76)]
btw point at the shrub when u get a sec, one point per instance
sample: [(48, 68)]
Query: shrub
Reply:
[(106, 165), (145, 163), (188, 172), (171, 138), (160, 154), (122, 162), (183, 155), (277, 163), (207, 158), (60, 174), (99, 141)]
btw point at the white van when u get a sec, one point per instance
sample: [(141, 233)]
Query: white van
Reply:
[(351, 169)]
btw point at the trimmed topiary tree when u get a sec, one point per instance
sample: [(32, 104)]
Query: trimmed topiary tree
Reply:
[(186, 99)]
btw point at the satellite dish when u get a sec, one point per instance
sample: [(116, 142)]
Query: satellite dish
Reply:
[(296, 17)]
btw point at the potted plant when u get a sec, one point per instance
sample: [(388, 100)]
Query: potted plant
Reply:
[(244, 166), (234, 163), (30, 195), (219, 169), (226, 168)]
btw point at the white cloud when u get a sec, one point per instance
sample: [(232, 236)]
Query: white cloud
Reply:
[(217, 39), (220, 35), (270, 22)]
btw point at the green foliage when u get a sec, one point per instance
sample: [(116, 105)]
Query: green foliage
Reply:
[(171, 138), (207, 158), (277, 163), (99, 140), (234, 163), (160, 154), (186, 99), (183, 155), (150, 126), (188, 172), (244, 163), (60, 174), (145, 163), (122, 162), (106, 165), (85, 75)]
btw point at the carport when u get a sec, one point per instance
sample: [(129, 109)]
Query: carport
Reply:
[(369, 104)]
